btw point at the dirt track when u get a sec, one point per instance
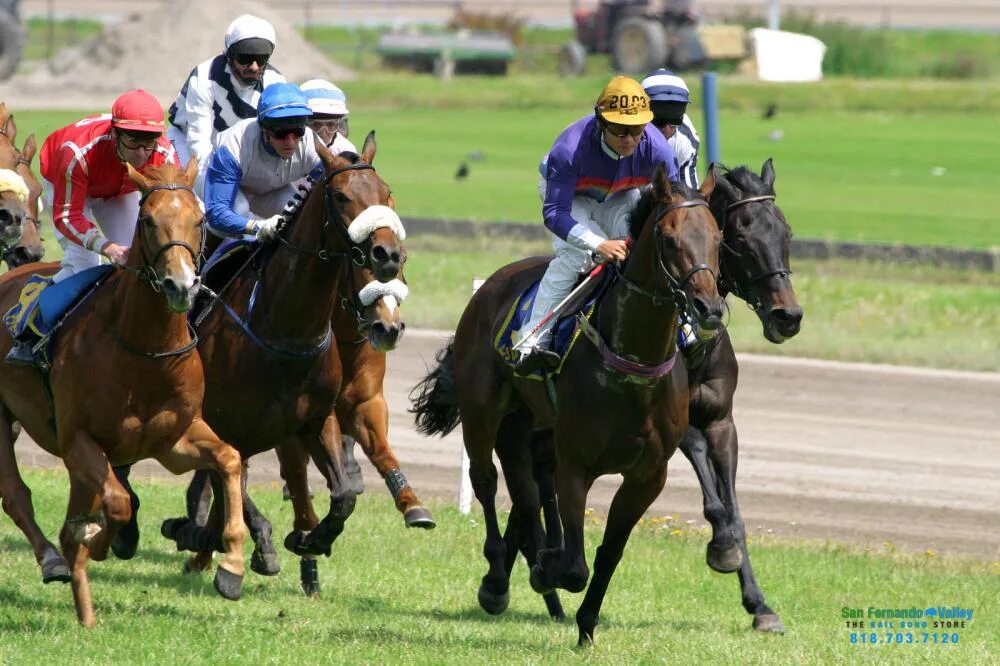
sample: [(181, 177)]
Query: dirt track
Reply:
[(849, 452)]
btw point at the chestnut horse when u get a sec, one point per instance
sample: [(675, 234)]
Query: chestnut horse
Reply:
[(754, 265), (142, 400), (622, 400), (273, 372), (28, 246)]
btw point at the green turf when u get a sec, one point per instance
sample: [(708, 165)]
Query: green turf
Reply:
[(392, 595)]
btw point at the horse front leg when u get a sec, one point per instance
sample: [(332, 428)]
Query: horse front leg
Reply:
[(293, 461), (724, 448), (566, 567), (201, 448), (524, 527), (632, 499), (18, 505), (326, 449), (369, 426), (723, 553), (126, 541), (98, 507)]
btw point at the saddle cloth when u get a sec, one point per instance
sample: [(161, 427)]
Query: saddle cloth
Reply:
[(42, 304)]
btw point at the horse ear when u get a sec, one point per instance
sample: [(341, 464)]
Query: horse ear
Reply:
[(708, 185), (191, 171), (368, 148), (328, 158), (12, 129), (767, 174), (29, 149), (661, 186), (729, 191), (140, 181)]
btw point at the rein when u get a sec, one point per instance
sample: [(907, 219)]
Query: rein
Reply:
[(740, 287)]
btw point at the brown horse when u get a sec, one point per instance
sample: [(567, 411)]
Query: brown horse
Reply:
[(626, 383), (144, 400), (754, 265), (28, 247), (273, 370)]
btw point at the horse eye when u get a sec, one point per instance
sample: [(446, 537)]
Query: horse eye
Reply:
[(341, 197), (147, 220), (200, 222)]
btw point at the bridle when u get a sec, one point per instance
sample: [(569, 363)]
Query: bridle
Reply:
[(677, 294), (740, 287), (147, 272)]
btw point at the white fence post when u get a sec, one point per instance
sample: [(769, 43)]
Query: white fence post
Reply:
[(465, 483)]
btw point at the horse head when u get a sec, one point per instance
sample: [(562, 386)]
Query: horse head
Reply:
[(684, 238), (15, 192), (755, 248), (30, 247), (358, 200), (170, 233)]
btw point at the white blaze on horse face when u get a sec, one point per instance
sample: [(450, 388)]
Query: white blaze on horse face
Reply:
[(391, 303)]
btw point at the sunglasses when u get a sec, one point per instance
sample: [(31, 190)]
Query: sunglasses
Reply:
[(245, 59), (133, 142), (660, 123), (621, 131), (284, 132)]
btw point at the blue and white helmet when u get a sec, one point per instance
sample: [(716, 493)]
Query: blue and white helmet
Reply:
[(325, 98), (665, 86), (283, 104)]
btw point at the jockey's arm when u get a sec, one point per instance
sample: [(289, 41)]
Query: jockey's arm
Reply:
[(561, 179), (69, 200), (222, 183), (198, 105)]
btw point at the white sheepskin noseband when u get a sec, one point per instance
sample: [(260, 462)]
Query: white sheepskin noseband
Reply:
[(375, 290), (11, 182), (372, 218)]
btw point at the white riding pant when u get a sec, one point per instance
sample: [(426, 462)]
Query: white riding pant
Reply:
[(116, 218), (609, 219)]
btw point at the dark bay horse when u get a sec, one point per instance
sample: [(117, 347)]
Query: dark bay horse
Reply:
[(622, 400), (126, 383), (273, 371), (28, 246), (755, 267)]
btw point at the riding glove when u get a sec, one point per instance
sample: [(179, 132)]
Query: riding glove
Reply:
[(267, 230)]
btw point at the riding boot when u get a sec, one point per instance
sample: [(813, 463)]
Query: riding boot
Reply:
[(22, 353), (537, 357)]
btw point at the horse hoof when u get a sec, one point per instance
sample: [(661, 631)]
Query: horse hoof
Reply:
[(228, 584), (419, 516), (538, 582), (724, 560), (494, 604), (264, 564), (311, 590), (769, 623), (171, 526), (55, 569)]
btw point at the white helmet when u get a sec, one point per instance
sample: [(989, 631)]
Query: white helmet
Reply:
[(249, 27), (325, 98)]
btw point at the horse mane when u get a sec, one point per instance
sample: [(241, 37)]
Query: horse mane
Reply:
[(648, 202), (745, 179)]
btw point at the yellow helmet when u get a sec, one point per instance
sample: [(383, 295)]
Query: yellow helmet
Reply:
[(624, 102)]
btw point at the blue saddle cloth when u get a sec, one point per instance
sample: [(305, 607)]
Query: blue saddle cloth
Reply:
[(565, 331), (42, 303)]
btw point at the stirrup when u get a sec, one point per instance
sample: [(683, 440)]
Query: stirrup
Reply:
[(21, 354)]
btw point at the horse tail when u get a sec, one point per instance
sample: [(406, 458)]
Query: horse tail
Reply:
[(435, 398)]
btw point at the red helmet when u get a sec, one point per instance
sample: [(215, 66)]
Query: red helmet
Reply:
[(137, 111)]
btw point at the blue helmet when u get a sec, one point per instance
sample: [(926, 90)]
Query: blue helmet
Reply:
[(665, 86), (283, 104)]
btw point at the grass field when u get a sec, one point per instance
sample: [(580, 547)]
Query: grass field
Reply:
[(409, 597)]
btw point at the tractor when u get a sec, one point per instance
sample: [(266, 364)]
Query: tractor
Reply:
[(639, 35), (11, 37)]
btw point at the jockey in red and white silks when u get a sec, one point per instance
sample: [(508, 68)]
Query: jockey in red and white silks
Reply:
[(94, 205)]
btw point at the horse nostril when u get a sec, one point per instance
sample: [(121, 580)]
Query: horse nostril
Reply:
[(791, 315)]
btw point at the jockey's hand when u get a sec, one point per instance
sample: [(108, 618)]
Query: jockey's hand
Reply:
[(267, 230), (118, 254), (613, 250)]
